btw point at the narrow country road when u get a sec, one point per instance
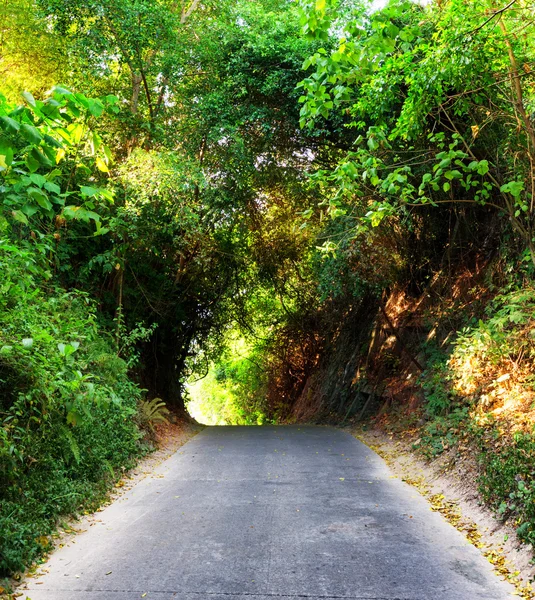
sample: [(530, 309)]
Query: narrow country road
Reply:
[(261, 513)]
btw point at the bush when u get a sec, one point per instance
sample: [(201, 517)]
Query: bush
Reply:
[(66, 408), (477, 390), (499, 347), (507, 480)]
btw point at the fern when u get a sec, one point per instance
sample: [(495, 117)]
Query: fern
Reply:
[(153, 411)]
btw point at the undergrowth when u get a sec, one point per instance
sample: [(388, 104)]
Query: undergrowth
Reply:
[(478, 399), (67, 409), (506, 476)]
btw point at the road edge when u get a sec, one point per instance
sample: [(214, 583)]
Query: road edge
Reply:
[(456, 497)]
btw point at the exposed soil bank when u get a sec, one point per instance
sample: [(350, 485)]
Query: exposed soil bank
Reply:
[(449, 482)]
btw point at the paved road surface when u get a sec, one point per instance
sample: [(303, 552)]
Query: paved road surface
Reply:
[(250, 513)]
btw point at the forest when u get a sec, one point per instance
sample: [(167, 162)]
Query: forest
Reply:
[(258, 212)]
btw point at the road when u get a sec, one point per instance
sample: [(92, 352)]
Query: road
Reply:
[(260, 513)]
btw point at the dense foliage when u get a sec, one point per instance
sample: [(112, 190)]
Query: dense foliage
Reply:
[(269, 211), (137, 202), (440, 99)]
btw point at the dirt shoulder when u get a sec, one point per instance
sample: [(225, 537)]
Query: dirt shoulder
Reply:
[(169, 437), (449, 483)]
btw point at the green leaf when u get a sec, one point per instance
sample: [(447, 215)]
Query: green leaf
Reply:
[(89, 191), (30, 133), (107, 153), (52, 187), (373, 144), (80, 214), (19, 216), (9, 124), (100, 230), (52, 141), (6, 150), (38, 180), (47, 156), (513, 187), (96, 108), (29, 210), (483, 167), (104, 230), (82, 99), (47, 161), (29, 98), (53, 174), (68, 349), (57, 89), (40, 197), (32, 163)]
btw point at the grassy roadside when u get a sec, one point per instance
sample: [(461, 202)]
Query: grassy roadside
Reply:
[(469, 409), (168, 437), (457, 481)]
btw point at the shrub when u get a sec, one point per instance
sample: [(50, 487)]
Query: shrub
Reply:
[(66, 408), (507, 480)]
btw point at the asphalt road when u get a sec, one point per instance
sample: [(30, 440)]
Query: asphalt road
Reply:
[(260, 513)]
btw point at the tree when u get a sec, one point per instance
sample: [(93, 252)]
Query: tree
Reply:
[(432, 138), (28, 51)]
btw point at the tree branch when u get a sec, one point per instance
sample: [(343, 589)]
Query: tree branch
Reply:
[(187, 12), (492, 17)]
